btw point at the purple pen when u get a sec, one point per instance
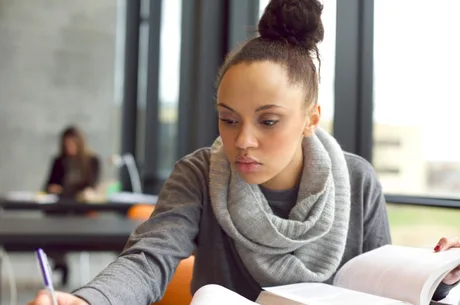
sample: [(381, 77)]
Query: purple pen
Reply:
[(46, 273)]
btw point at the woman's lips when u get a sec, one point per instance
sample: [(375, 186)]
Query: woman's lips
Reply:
[(246, 164)]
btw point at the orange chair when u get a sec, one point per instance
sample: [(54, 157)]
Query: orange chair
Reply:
[(140, 211), (178, 290)]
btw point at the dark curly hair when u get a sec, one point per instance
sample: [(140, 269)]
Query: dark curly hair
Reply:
[(289, 33)]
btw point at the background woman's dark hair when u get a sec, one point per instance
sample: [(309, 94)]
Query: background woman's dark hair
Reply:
[(289, 33), (83, 153)]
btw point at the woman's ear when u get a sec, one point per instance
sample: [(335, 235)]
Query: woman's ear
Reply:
[(313, 119)]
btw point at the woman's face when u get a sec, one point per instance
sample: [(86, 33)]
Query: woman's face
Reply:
[(70, 146), (262, 121)]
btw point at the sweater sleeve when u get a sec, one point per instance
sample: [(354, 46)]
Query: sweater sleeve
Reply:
[(56, 173), (142, 271), (376, 225), (442, 291)]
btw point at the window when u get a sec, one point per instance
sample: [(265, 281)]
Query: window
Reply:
[(327, 53), (169, 85), (142, 84), (416, 151), (421, 226)]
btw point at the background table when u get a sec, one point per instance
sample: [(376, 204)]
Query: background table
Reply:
[(63, 206), (68, 233)]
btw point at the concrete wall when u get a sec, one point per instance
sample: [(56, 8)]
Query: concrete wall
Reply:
[(57, 64)]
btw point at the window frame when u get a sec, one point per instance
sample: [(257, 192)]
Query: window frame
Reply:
[(209, 30), (354, 81)]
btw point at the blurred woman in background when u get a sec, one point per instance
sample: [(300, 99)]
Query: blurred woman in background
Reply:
[(76, 169), (74, 172)]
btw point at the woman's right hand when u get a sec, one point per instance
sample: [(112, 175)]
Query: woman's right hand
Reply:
[(54, 189), (43, 298)]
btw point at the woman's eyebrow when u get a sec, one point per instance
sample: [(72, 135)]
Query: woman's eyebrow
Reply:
[(264, 107), (225, 106), (269, 106)]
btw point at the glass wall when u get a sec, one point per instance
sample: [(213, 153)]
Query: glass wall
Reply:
[(142, 83), (168, 95), (169, 85), (58, 63), (327, 53), (416, 97), (415, 113), (422, 226)]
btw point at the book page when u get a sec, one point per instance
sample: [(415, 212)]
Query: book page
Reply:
[(323, 294), (398, 272), (268, 298), (215, 294)]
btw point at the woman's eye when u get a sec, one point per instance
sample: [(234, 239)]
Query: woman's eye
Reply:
[(270, 123), (228, 121)]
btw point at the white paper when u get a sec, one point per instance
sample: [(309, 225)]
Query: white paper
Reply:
[(132, 197), (396, 272), (30, 196), (323, 294), (215, 294)]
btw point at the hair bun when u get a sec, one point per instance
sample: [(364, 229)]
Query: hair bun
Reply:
[(297, 22)]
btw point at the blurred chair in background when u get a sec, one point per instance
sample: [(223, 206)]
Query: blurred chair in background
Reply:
[(178, 291), (140, 211), (133, 171)]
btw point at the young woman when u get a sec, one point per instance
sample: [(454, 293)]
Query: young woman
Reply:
[(75, 169), (274, 201)]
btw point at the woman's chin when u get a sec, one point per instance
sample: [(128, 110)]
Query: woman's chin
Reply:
[(253, 178)]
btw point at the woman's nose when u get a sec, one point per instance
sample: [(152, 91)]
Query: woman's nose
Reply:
[(245, 138)]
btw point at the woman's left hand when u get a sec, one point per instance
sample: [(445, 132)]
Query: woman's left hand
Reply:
[(444, 244)]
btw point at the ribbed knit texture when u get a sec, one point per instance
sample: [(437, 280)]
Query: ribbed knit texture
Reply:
[(306, 247)]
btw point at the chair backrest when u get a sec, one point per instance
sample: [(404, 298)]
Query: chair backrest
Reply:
[(140, 211), (178, 290)]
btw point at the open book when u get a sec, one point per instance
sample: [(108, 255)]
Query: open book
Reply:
[(387, 275)]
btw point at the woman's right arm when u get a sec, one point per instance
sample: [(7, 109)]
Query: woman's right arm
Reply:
[(146, 265), (54, 181)]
